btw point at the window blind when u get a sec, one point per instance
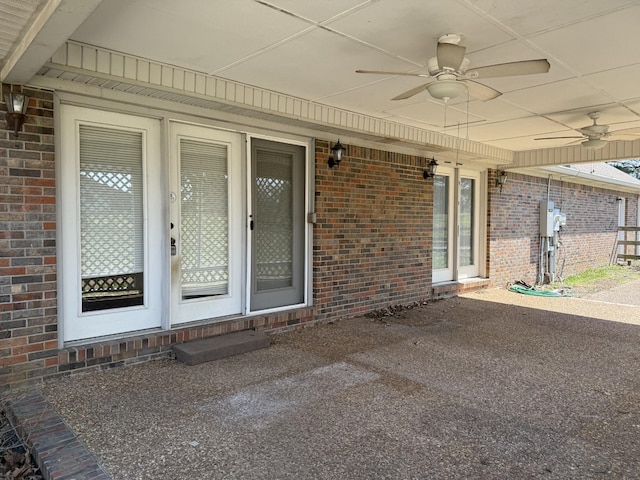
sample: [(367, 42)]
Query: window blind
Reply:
[(111, 201), (204, 233)]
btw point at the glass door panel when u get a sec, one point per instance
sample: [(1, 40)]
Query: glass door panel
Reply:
[(468, 227), (204, 225), (206, 218), (111, 218), (467, 221), (442, 264)]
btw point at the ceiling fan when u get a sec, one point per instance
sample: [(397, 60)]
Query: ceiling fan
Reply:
[(450, 73), (593, 136)]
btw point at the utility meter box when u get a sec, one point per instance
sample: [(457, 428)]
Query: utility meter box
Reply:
[(559, 219), (546, 219)]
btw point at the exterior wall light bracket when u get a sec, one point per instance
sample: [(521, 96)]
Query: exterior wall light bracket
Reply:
[(501, 179)]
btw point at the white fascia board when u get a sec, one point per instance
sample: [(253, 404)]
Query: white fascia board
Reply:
[(52, 28), (583, 178)]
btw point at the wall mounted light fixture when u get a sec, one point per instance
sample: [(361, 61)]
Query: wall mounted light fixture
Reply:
[(501, 179), (338, 150), (17, 104), (430, 172)]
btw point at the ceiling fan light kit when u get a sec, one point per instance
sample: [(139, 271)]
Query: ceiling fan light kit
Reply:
[(593, 144), (446, 89)]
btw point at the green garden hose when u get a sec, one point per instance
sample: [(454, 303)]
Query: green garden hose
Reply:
[(538, 293)]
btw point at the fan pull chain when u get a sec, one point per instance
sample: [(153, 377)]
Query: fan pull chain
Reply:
[(467, 137), (444, 127)]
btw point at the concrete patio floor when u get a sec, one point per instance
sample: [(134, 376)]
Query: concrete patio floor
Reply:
[(490, 385)]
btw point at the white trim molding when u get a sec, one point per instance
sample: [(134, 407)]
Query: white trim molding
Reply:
[(76, 63)]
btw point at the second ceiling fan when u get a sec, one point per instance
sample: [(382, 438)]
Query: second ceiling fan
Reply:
[(593, 136), (450, 75)]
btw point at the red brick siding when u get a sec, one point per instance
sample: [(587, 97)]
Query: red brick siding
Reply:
[(28, 313), (371, 250), (372, 240), (513, 225), (371, 247)]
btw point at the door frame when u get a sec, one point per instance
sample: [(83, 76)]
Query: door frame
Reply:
[(231, 303), (470, 271), (456, 272), (116, 321), (448, 273), (308, 222)]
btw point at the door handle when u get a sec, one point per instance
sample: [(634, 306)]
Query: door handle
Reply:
[(174, 249)]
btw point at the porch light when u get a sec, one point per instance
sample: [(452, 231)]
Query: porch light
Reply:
[(431, 169), (501, 179), (17, 104), (338, 150)]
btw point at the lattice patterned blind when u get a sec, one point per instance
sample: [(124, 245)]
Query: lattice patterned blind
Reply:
[(204, 218), (111, 202), (274, 225)]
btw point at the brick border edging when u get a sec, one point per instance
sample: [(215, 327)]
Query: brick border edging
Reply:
[(55, 448)]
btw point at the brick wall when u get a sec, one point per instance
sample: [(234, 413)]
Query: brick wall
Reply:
[(372, 240), (371, 250), (513, 224), (371, 247), (28, 322)]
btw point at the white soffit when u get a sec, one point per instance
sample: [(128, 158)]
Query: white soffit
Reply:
[(85, 64), (49, 26)]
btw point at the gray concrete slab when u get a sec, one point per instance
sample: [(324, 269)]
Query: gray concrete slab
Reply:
[(492, 385), (215, 348)]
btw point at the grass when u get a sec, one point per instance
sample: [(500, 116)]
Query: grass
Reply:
[(601, 278)]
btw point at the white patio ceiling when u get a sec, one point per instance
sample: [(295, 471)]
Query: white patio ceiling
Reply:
[(310, 49)]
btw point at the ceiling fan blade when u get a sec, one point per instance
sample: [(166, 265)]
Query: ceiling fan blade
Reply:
[(383, 72), (411, 93), (556, 138), (632, 133), (480, 91), (525, 67), (450, 56)]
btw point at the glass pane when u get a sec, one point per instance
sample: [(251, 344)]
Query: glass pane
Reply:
[(441, 222), (274, 226), (467, 197), (204, 223), (111, 218)]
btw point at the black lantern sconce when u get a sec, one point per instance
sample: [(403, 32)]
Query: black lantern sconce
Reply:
[(17, 104), (337, 150), (430, 172), (501, 179)]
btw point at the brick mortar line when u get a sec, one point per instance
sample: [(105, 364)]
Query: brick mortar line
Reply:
[(55, 447)]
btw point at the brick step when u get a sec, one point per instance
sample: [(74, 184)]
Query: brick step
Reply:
[(214, 348)]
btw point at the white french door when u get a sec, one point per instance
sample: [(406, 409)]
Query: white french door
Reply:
[(456, 225), (214, 227), (468, 248), (111, 218), (207, 223), (443, 225)]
